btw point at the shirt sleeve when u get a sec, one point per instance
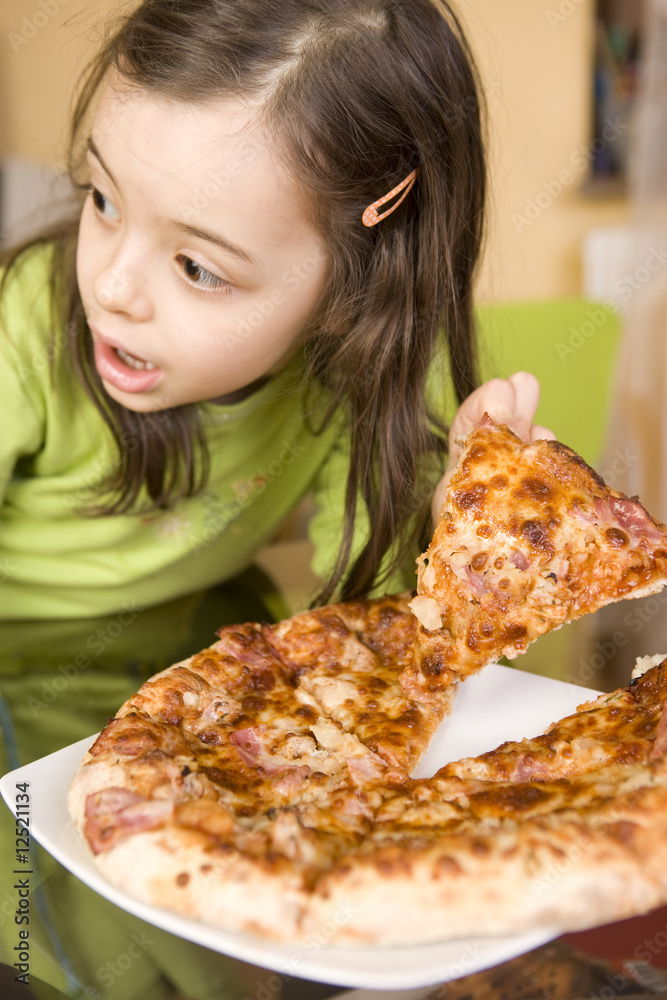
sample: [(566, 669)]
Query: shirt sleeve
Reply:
[(24, 363)]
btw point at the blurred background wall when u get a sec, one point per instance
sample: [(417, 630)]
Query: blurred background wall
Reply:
[(536, 62), (43, 46)]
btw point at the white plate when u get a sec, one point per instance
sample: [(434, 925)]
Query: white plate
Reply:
[(497, 705)]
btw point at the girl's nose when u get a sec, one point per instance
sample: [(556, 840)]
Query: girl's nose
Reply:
[(117, 289)]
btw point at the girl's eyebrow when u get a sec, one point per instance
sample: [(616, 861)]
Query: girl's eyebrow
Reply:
[(184, 227), (92, 148), (210, 237)]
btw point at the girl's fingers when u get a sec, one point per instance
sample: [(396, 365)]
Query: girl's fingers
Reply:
[(539, 433), (495, 398), (512, 401), (526, 397)]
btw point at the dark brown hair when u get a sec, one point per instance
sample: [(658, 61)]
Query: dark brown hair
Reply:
[(355, 93)]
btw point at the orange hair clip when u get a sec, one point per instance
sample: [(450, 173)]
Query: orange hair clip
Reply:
[(371, 217)]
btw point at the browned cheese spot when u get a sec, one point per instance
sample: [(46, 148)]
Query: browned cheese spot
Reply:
[(472, 499), (253, 703), (513, 631), (499, 482), (172, 710), (211, 736), (484, 531), (477, 451), (411, 718), (228, 778), (380, 740), (510, 798), (395, 864), (182, 879), (431, 664), (533, 488), (479, 848), (479, 560), (472, 640), (248, 811), (616, 537), (504, 583), (499, 563), (537, 533), (630, 753), (624, 832), (446, 865), (209, 664), (306, 712)]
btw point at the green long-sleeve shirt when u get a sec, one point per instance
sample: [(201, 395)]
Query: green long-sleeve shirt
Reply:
[(54, 446)]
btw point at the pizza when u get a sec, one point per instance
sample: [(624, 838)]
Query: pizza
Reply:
[(503, 844), (255, 763), (264, 784), (528, 538), (278, 824)]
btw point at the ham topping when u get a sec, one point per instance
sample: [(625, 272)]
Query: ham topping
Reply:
[(256, 747), (366, 770), (520, 560), (292, 780), (116, 812), (629, 515), (252, 750)]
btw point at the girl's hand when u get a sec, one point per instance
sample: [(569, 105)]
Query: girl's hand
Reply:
[(511, 401)]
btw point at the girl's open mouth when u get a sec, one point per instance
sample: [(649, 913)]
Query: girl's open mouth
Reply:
[(123, 370), (136, 363)]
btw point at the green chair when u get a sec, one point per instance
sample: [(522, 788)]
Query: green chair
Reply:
[(571, 346)]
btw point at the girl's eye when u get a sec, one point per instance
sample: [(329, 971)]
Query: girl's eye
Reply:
[(198, 275), (103, 205)]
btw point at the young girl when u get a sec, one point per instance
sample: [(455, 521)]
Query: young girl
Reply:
[(283, 211)]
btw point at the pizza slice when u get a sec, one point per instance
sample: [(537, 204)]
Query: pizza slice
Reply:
[(528, 538), (623, 727), (566, 830), (216, 775), (256, 763)]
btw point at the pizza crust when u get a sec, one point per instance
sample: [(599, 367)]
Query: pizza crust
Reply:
[(551, 872), (469, 851), (178, 871)]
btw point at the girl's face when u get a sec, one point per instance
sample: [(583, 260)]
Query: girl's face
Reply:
[(197, 266)]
